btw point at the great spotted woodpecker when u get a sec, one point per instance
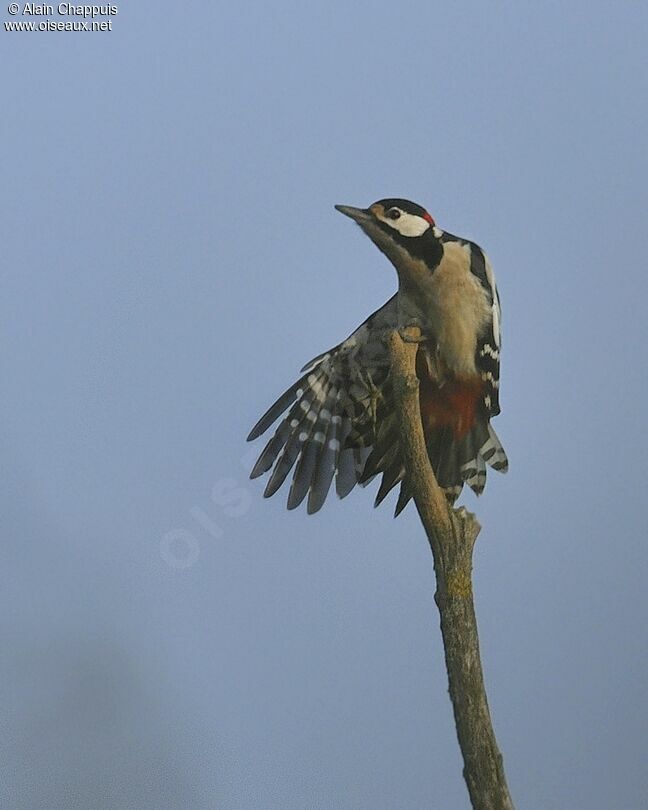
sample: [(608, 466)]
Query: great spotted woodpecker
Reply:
[(341, 419)]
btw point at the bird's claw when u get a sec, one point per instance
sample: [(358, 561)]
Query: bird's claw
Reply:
[(407, 337)]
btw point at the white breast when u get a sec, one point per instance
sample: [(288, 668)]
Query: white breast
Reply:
[(458, 308)]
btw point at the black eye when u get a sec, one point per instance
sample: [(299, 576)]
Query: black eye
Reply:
[(393, 213)]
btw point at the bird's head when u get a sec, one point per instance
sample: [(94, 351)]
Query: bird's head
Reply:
[(401, 229)]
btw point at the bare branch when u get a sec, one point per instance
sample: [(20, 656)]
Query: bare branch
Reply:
[(452, 534)]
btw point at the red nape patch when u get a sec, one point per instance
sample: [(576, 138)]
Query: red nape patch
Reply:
[(428, 218), (454, 405)]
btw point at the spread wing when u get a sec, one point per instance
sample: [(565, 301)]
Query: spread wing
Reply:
[(329, 426)]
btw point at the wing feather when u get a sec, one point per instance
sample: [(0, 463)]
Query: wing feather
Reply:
[(327, 430)]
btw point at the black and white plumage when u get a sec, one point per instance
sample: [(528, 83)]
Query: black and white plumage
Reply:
[(340, 421)]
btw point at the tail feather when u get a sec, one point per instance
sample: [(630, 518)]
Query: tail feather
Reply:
[(493, 452), (448, 468), (471, 454), (454, 462), (476, 479), (472, 469)]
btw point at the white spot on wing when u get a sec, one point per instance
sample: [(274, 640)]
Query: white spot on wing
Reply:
[(487, 375), (318, 389), (488, 349)]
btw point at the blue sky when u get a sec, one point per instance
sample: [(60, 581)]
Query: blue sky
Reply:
[(171, 259)]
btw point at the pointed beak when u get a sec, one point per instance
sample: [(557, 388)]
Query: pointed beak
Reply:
[(360, 215)]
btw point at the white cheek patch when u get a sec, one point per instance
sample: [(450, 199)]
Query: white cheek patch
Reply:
[(408, 224)]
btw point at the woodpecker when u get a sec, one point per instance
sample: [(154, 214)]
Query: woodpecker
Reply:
[(341, 418)]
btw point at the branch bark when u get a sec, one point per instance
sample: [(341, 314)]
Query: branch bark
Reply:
[(451, 534)]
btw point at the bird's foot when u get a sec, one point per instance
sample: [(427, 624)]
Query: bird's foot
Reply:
[(411, 334)]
